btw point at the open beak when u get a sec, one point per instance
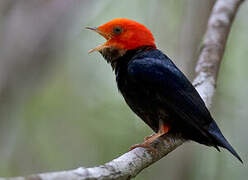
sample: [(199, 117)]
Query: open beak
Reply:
[(102, 46), (93, 29)]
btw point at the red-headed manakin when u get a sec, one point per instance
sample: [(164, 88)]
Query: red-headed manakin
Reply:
[(154, 88)]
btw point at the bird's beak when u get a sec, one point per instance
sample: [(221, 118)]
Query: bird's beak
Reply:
[(102, 46), (93, 29)]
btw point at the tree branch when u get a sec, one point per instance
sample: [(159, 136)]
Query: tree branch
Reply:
[(131, 163)]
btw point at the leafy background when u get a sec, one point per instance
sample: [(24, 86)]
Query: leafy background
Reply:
[(73, 115)]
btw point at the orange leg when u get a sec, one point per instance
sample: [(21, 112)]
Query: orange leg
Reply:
[(163, 129)]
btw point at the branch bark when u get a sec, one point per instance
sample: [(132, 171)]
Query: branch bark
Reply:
[(131, 163)]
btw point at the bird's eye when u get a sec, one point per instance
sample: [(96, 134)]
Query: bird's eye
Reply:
[(117, 30)]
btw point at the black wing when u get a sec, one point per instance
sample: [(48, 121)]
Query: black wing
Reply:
[(173, 90)]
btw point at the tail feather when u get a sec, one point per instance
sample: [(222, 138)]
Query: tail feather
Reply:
[(221, 140)]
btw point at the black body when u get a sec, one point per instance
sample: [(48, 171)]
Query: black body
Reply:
[(155, 89)]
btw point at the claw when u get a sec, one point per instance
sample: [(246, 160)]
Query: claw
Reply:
[(149, 137), (146, 146), (164, 128)]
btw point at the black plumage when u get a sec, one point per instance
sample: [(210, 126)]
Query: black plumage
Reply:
[(156, 90)]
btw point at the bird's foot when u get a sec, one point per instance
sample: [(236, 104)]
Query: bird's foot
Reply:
[(149, 137), (164, 128), (146, 146), (147, 143)]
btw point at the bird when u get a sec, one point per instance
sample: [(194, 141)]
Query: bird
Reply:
[(154, 88)]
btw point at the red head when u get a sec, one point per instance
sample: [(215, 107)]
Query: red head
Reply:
[(124, 34)]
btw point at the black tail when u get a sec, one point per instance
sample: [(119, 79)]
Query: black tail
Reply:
[(221, 140)]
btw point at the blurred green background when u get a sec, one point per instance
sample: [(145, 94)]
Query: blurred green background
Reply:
[(60, 108)]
